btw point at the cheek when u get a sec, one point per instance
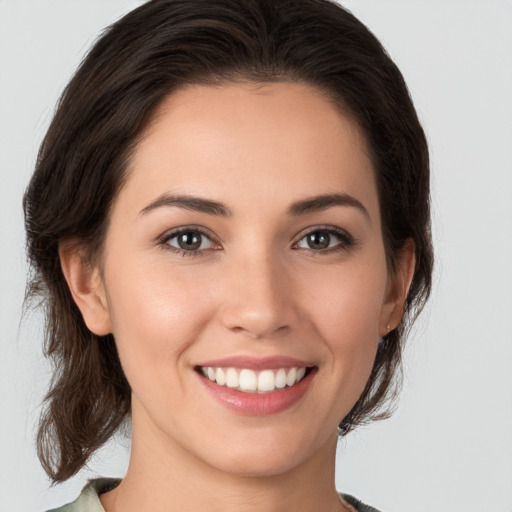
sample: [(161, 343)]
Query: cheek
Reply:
[(156, 316), (348, 304), (346, 311)]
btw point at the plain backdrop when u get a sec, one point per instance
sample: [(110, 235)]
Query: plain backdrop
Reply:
[(449, 445)]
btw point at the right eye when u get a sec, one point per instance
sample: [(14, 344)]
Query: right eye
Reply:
[(189, 241)]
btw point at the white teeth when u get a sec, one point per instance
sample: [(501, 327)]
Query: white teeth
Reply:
[(266, 381), (248, 380), (251, 381), (281, 378), (291, 378), (232, 379), (220, 376)]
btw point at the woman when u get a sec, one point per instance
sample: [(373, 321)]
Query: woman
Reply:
[(229, 220)]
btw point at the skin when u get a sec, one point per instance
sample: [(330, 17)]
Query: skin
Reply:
[(255, 288)]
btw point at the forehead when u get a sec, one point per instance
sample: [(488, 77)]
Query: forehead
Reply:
[(276, 141)]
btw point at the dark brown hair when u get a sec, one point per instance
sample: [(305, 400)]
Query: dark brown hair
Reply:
[(136, 63)]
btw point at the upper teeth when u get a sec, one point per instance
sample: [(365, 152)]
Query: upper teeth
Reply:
[(254, 381)]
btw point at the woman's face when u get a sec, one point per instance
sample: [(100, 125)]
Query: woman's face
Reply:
[(244, 253)]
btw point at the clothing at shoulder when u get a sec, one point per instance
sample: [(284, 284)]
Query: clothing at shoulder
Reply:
[(89, 500), (358, 505)]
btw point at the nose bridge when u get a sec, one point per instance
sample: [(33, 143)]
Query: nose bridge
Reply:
[(259, 301)]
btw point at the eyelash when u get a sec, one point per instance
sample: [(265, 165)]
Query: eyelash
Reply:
[(346, 241), (164, 241)]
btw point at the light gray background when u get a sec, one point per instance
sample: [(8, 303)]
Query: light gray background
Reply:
[(449, 446)]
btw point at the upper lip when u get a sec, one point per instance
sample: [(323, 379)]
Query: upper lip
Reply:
[(257, 363)]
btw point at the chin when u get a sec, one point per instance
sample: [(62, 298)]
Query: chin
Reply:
[(264, 455), (260, 466)]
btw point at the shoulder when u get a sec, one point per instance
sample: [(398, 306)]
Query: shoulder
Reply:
[(358, 505), (89, 500)]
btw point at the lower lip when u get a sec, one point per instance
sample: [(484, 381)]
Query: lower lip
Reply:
[(256, 404)]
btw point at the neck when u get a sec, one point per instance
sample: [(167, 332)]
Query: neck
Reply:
[(165, 477)]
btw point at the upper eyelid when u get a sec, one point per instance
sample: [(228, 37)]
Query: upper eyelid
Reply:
[(346, 240), (171, 233), (164, 241), (333, 229)]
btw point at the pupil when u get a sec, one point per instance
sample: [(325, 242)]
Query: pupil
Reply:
[(319, 240), (189, 241)]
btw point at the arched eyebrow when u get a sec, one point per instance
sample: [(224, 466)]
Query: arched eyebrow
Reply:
[(210, 207), (323, 202), (193, 203)]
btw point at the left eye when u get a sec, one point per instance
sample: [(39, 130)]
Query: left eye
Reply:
[(323, 239), (190, 240)]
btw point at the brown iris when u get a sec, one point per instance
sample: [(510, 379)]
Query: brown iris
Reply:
[(189, 241), (319, 240)]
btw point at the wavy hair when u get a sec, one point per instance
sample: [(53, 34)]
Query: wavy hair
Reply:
[(136, 63)]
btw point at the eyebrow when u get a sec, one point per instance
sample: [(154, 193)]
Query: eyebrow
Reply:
[(323, 202), (193, 203), (198, 204)]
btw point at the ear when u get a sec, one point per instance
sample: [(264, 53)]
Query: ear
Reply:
[(87, 288), (398, 288)]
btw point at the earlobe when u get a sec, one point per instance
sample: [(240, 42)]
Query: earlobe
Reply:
[(398, 288), (87, 288)]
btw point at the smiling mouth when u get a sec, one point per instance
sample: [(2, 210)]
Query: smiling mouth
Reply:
[(251, 381)]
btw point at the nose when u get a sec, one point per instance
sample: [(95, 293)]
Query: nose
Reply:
[(259, 299)]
